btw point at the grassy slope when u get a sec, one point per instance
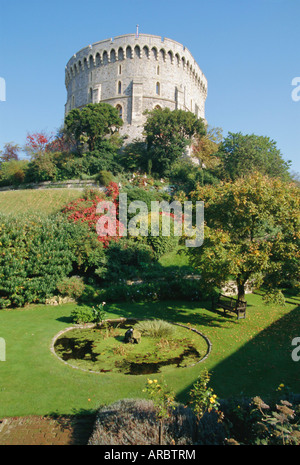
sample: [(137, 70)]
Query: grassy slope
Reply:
[(251, 356), (42, 201)]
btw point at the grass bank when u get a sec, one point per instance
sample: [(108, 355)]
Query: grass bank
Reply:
[(41, 201)]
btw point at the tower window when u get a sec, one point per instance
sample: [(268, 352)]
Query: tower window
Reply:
[(119, 87), (120, 110), (158, 88), (120, 69), (91, 95), (157, 70)]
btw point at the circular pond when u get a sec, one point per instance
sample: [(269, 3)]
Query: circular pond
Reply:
[(158, 346)]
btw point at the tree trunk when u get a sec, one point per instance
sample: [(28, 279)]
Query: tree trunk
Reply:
[(241, 290)]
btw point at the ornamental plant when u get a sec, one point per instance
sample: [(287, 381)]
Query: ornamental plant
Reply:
[(202, 396), (163, 401), (82, 315), (37, 142), (278, 426), (156, 328), (84, 210), (99, 313), (72, 287)]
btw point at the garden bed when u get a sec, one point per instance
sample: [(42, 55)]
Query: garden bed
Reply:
[(101, 348)]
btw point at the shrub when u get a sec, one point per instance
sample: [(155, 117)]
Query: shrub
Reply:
[(145, 292), (36, 253), (161, 244), (126, 259), (163, 401), (202, 396), (151, 291), (82, 315), (133, 422), (104, 177), (156, 328), (84, 210), (274, 296), (137, 193), (210, 430), (134, 156), (34, 256), (252, 421), (41, 168), (71, 287), (13, 172), (276, 427), (99, 313)]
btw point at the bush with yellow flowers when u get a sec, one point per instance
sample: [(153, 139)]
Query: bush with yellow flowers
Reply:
[(202, 396), (163, 401)]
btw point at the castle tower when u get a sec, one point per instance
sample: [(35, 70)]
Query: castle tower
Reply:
[(134, 73)]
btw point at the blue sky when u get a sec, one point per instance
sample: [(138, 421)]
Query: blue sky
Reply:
[(247, 49)]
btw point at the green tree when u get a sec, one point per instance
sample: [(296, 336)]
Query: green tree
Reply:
[(206, 147), (42, 167), (243, 154), (92, 123), (252, 229), (13, 172), (168, 133)]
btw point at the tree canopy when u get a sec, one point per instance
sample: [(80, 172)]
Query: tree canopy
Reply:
[(92, 123), (252, 230), (206, 147), (10, 152), (243, 154), (168, 133)]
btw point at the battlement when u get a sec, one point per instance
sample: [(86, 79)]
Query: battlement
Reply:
[(136, 72)]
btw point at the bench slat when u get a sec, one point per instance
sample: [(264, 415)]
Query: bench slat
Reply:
[(230, 304)]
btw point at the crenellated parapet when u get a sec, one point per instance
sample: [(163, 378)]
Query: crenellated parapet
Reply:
[(136, 73)]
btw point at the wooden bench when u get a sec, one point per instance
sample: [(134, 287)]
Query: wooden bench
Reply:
[(229, 304)]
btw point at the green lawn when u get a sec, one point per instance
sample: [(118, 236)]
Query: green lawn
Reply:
[(251, 356), (42, 201), (176, 257)]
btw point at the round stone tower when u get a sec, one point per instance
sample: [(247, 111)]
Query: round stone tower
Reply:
[(134, 73)]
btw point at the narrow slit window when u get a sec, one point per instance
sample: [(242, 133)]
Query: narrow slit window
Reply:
[(120, 111), (157, 88)]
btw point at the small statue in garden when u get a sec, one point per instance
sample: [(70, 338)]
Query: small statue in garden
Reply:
[(132, 336)]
